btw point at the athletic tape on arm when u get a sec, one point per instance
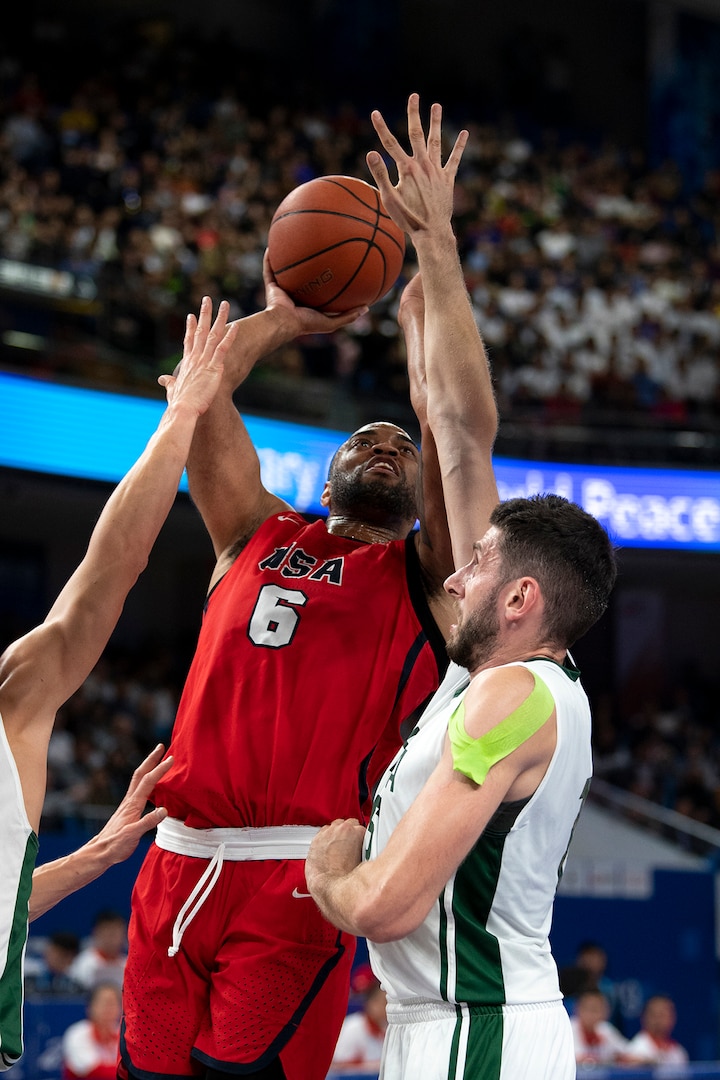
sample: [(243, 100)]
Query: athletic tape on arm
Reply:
[(475, 757)]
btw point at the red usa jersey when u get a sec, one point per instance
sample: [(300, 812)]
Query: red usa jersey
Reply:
[(313, 649)]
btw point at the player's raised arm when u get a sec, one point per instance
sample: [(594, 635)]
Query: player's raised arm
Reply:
[(434, 542), (41, 670), (461, 405), (223, 466)]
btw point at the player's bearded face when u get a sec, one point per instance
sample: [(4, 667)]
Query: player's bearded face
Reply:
[(473, 642), (354, 493)]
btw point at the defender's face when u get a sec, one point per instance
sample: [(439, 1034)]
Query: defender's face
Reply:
[(471, 583), (476, 589)]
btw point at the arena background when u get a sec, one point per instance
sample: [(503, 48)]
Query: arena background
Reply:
[(645, 74)]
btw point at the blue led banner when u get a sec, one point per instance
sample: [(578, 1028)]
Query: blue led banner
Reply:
[(89, 433)]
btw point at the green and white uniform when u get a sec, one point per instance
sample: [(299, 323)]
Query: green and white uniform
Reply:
[(473, 993), (20, 848)]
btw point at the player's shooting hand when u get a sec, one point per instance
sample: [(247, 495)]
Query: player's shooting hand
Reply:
[(422, 199), (335, 851), (304, 320), (197, 378), (121, 833)]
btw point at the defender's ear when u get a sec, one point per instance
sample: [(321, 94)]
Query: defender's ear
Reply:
[(521, 597)]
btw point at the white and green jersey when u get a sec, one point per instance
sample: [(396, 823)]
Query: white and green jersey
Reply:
[(20, 848), (485, 941)]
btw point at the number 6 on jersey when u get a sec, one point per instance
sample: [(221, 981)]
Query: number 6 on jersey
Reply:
[(274, 618)]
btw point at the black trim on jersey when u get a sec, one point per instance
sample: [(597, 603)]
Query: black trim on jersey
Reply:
[(505, 817), (418, 596), (569, 667), (208, 595), (363, 788), (409, 663), (408, 725)]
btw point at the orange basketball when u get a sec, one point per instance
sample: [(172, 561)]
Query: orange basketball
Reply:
[(332, 246)]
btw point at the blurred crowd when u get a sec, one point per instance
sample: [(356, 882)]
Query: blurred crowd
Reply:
[(665, 748), (103, 732), (595, 277)]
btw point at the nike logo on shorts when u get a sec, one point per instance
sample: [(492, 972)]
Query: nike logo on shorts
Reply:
[(299, 895)]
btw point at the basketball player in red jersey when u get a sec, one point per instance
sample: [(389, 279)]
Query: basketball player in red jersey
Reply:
[(318, 640)]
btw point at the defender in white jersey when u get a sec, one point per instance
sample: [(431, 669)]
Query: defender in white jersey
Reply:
[(472, 821)]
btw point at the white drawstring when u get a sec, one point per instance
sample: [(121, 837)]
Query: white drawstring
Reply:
[(204, 887)]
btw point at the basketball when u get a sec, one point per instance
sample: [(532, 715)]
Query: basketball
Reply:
[(332, 245)]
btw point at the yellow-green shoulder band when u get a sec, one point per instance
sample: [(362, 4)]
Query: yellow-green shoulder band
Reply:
[(475, 757)]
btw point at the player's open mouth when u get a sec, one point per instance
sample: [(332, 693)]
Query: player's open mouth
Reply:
[(382, 466)]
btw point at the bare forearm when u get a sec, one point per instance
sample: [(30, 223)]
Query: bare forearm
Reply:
[(338, 901), (55, 880), (86, 611), (461, 409), (457, 372), (258, 335), (359, 897), (357, 903), (137, 509)]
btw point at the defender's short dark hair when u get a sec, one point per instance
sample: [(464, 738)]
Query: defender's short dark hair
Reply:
[(569, 553)]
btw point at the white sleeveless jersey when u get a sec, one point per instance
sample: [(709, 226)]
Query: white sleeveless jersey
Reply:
[(19, 852), (485, 941)]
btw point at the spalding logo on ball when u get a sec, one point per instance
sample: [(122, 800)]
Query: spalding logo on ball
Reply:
[(332, 245)]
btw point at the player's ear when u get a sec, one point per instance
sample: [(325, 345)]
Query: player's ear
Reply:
[(521, 596), (325, 497)]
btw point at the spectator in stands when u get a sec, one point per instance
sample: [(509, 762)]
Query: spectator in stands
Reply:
[(90, 1046), (103, 958), (49, 974), (654, 1044), (359, 1046), (589, 972), (597, 1041)]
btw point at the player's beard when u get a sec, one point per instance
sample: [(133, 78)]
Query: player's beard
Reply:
[(351, 494), (474, 640)]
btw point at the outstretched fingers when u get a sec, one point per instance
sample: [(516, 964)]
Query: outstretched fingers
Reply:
[(149, 771), (416, 134), (380, 174), (202, 336), (387, 138), (434, 140), (453, 161)]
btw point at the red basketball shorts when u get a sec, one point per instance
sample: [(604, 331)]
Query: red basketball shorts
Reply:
[(259, 973)]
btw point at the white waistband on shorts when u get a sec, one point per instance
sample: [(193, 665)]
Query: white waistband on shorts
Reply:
[(239, 845), (421, 1011), (417, 1012)]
